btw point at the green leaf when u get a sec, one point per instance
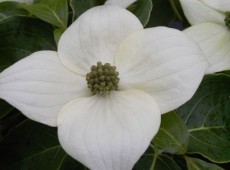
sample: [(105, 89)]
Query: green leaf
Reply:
[(161, 15), (173, 134), (80, 6), (10, 9), (10, 120), (59, 6), (197, 164), (166, 163), (167, 13), (207, 116), (71, 164), (55, 14), (145, 161), (20, 36), (175, 7), (142, 9), (163, 162), (57, 34), (5, 108), (34, 146)]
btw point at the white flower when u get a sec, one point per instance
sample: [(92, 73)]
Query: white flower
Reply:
[(20, 1), (159, 70), (210, 29)]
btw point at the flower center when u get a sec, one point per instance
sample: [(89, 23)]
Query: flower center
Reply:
[(102, 78), (227, 19)]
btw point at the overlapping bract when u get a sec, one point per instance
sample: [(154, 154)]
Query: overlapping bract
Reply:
[(209, 30)]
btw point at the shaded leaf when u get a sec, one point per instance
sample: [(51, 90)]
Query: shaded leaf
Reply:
[(10, 120), (172, 136), (80, 6), (174, 6), (161, 15), (47, 14), (57, 34), (207, 116), (71, 164), (10, 9), (60, 7), (166, 163), (142, 9), (197, 164), (34, 146), (163, 162), (5, 108), (146, 160), (21, 36), (167, 13)]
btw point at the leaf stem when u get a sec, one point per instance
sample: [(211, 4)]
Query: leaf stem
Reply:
[(156, 154)]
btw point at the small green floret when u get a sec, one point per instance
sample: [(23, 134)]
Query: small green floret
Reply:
[(102, 79), (227, 19)]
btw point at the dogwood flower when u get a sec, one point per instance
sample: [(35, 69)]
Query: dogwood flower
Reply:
[(210, 28), (107, 85), (20, 1)]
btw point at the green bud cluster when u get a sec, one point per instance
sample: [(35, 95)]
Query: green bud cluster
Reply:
[(102, 78), (227, 19)]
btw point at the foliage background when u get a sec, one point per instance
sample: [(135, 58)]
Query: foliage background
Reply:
[(194, 137)]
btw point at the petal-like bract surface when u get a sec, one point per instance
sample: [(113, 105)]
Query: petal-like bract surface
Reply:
[(95, 36), (121, 3), (221, 5), (39, 86), (197, 12), (109, 132), (214, 40), (163, 62)]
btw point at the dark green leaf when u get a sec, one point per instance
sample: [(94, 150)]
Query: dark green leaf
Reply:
[(173, 134), (46, 13), (142, 9), (80, 6), (34, 146), (57, 34), (197, 164), (71, 164), (161, 15), (166, 163), (10, 120), (10, 9), (145, 161), (5, 108), (174, 5), (163, 162), (207, 116), (21, 36), (60, 7)]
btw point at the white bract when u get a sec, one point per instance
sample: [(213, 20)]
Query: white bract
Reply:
[(210, 29), (159, 70), (20, 1)]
